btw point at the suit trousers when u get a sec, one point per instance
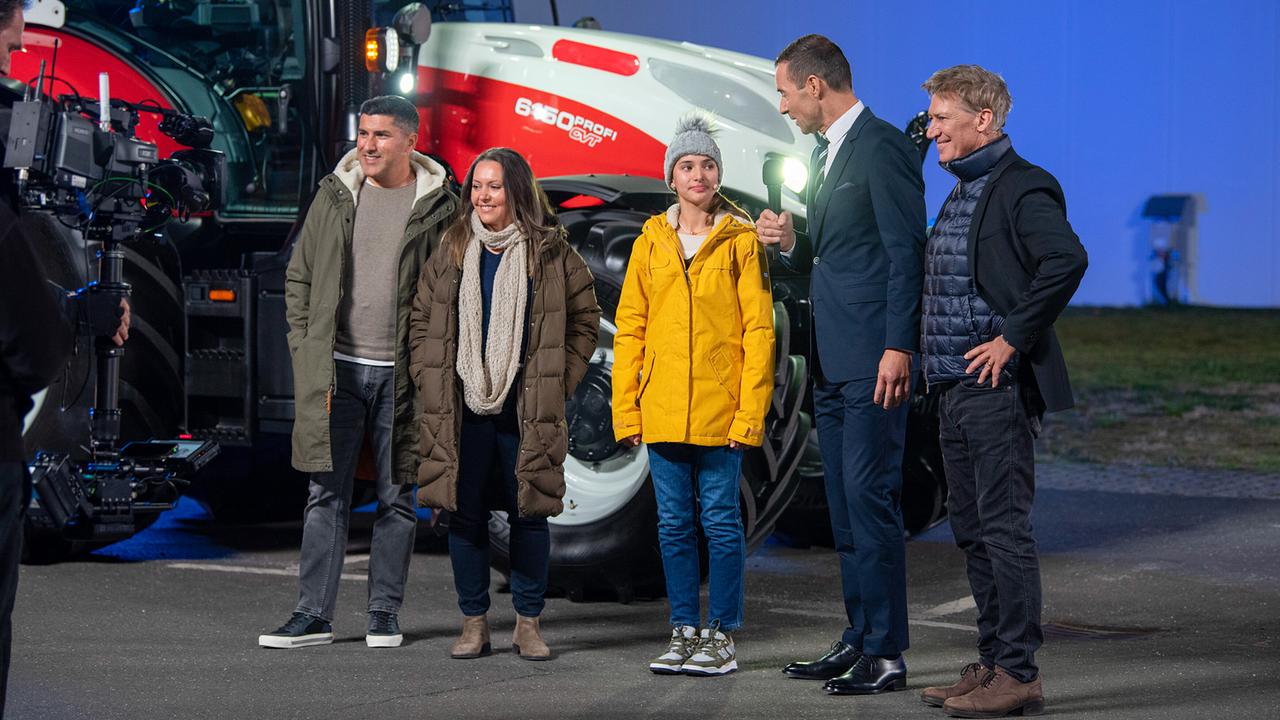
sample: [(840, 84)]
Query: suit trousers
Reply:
[(988, 454), (862, 460)]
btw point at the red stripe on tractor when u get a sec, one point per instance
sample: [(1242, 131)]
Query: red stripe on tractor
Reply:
[(581, 201), (593, 56), (463, 115)]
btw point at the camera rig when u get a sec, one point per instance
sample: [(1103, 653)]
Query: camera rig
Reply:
[(79, 160)]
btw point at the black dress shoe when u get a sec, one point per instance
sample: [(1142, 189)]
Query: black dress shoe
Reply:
[(870, 675), (836, 662)]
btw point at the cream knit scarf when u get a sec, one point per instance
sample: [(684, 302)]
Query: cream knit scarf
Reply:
[(487, 376)]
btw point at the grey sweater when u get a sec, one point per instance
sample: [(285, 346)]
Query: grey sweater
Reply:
[(367, 315)]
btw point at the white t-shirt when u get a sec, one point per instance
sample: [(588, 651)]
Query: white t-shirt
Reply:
[(690, 243)]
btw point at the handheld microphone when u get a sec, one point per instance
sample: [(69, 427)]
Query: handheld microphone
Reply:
[(773, 175)]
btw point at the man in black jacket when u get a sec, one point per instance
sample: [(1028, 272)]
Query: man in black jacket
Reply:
[(1000, 265), (38, 324), (37, 332), (35, 338), (864, 252)]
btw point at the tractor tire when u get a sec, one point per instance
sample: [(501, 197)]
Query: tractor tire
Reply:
[(807, 521), (151, 380), (246, 485), (924, 484)]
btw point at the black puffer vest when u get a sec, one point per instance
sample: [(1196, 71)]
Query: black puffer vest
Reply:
[(955, 318)]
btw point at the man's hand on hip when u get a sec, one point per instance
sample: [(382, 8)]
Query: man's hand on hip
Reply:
[(775, 229), (991, 357), (893, 382)]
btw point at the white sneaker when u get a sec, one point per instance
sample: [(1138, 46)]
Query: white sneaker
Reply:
[(715, 654), (684, 640)]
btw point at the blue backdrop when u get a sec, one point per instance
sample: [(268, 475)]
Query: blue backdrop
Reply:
[(1120, 100)]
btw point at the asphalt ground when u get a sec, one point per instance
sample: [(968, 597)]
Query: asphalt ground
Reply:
[(1158, 604)]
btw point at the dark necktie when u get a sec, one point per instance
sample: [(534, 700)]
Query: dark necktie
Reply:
[(819, 163)]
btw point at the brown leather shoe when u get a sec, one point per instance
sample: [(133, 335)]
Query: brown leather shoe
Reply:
[(970, 678), (474, 640), (999, 694), (527, 639)]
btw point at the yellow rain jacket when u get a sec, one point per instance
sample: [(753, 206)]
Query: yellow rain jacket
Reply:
[(693, 354)]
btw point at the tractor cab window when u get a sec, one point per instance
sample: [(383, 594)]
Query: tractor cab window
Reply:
[(724, 96), (242, 64)]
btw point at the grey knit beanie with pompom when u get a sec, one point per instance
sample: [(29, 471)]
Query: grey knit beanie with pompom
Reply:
[(694, 136)]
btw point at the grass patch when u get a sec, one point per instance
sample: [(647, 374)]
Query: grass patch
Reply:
[(1185, 386)]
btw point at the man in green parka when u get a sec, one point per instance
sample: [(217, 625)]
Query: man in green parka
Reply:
[(349, 288)]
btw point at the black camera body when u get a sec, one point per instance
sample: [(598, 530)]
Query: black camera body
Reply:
[(81, 162), (97, 501), (67, 148), (70, 161)]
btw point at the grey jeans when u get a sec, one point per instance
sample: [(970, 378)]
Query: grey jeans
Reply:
[(363, 399)]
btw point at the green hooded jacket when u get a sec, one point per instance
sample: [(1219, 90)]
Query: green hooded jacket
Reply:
[(313, 290)]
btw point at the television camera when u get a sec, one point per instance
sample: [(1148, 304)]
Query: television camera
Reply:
[(78, 160)]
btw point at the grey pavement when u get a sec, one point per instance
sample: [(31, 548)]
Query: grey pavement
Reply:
[(1148, 480), (1159, 604)]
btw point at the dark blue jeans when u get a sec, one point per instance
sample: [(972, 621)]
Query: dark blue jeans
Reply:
[(988, 453), (363, 400), (862, 463), (487, 480), (682, 473), (15, 495)]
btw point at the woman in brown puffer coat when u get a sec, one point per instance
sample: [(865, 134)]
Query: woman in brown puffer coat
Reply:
[(503, 325)]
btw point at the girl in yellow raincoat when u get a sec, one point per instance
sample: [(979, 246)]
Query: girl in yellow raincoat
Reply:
[(693, 378)]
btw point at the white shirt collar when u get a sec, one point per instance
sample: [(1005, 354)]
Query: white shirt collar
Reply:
[(838, 129)]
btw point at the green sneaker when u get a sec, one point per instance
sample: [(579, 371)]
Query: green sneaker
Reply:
[(684, 641), (715, 654)]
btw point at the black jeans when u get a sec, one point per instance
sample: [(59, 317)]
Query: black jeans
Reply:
[(15, 495), (487, 480), (988, 453)]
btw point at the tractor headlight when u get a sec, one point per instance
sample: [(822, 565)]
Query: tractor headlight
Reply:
[(405, 83)]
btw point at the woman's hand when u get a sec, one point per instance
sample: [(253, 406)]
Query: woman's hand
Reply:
[(735, 445), (632, 441)]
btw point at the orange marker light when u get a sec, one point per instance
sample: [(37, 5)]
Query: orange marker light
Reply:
[(381, 49), (371, 49), (222, 295)]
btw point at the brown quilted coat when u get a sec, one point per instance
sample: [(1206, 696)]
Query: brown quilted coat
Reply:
[(563, 323)]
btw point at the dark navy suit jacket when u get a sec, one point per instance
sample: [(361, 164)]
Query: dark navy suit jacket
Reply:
[(866, 250)]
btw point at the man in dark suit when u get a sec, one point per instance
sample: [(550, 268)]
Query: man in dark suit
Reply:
[(1001, 264), (865, 249)]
